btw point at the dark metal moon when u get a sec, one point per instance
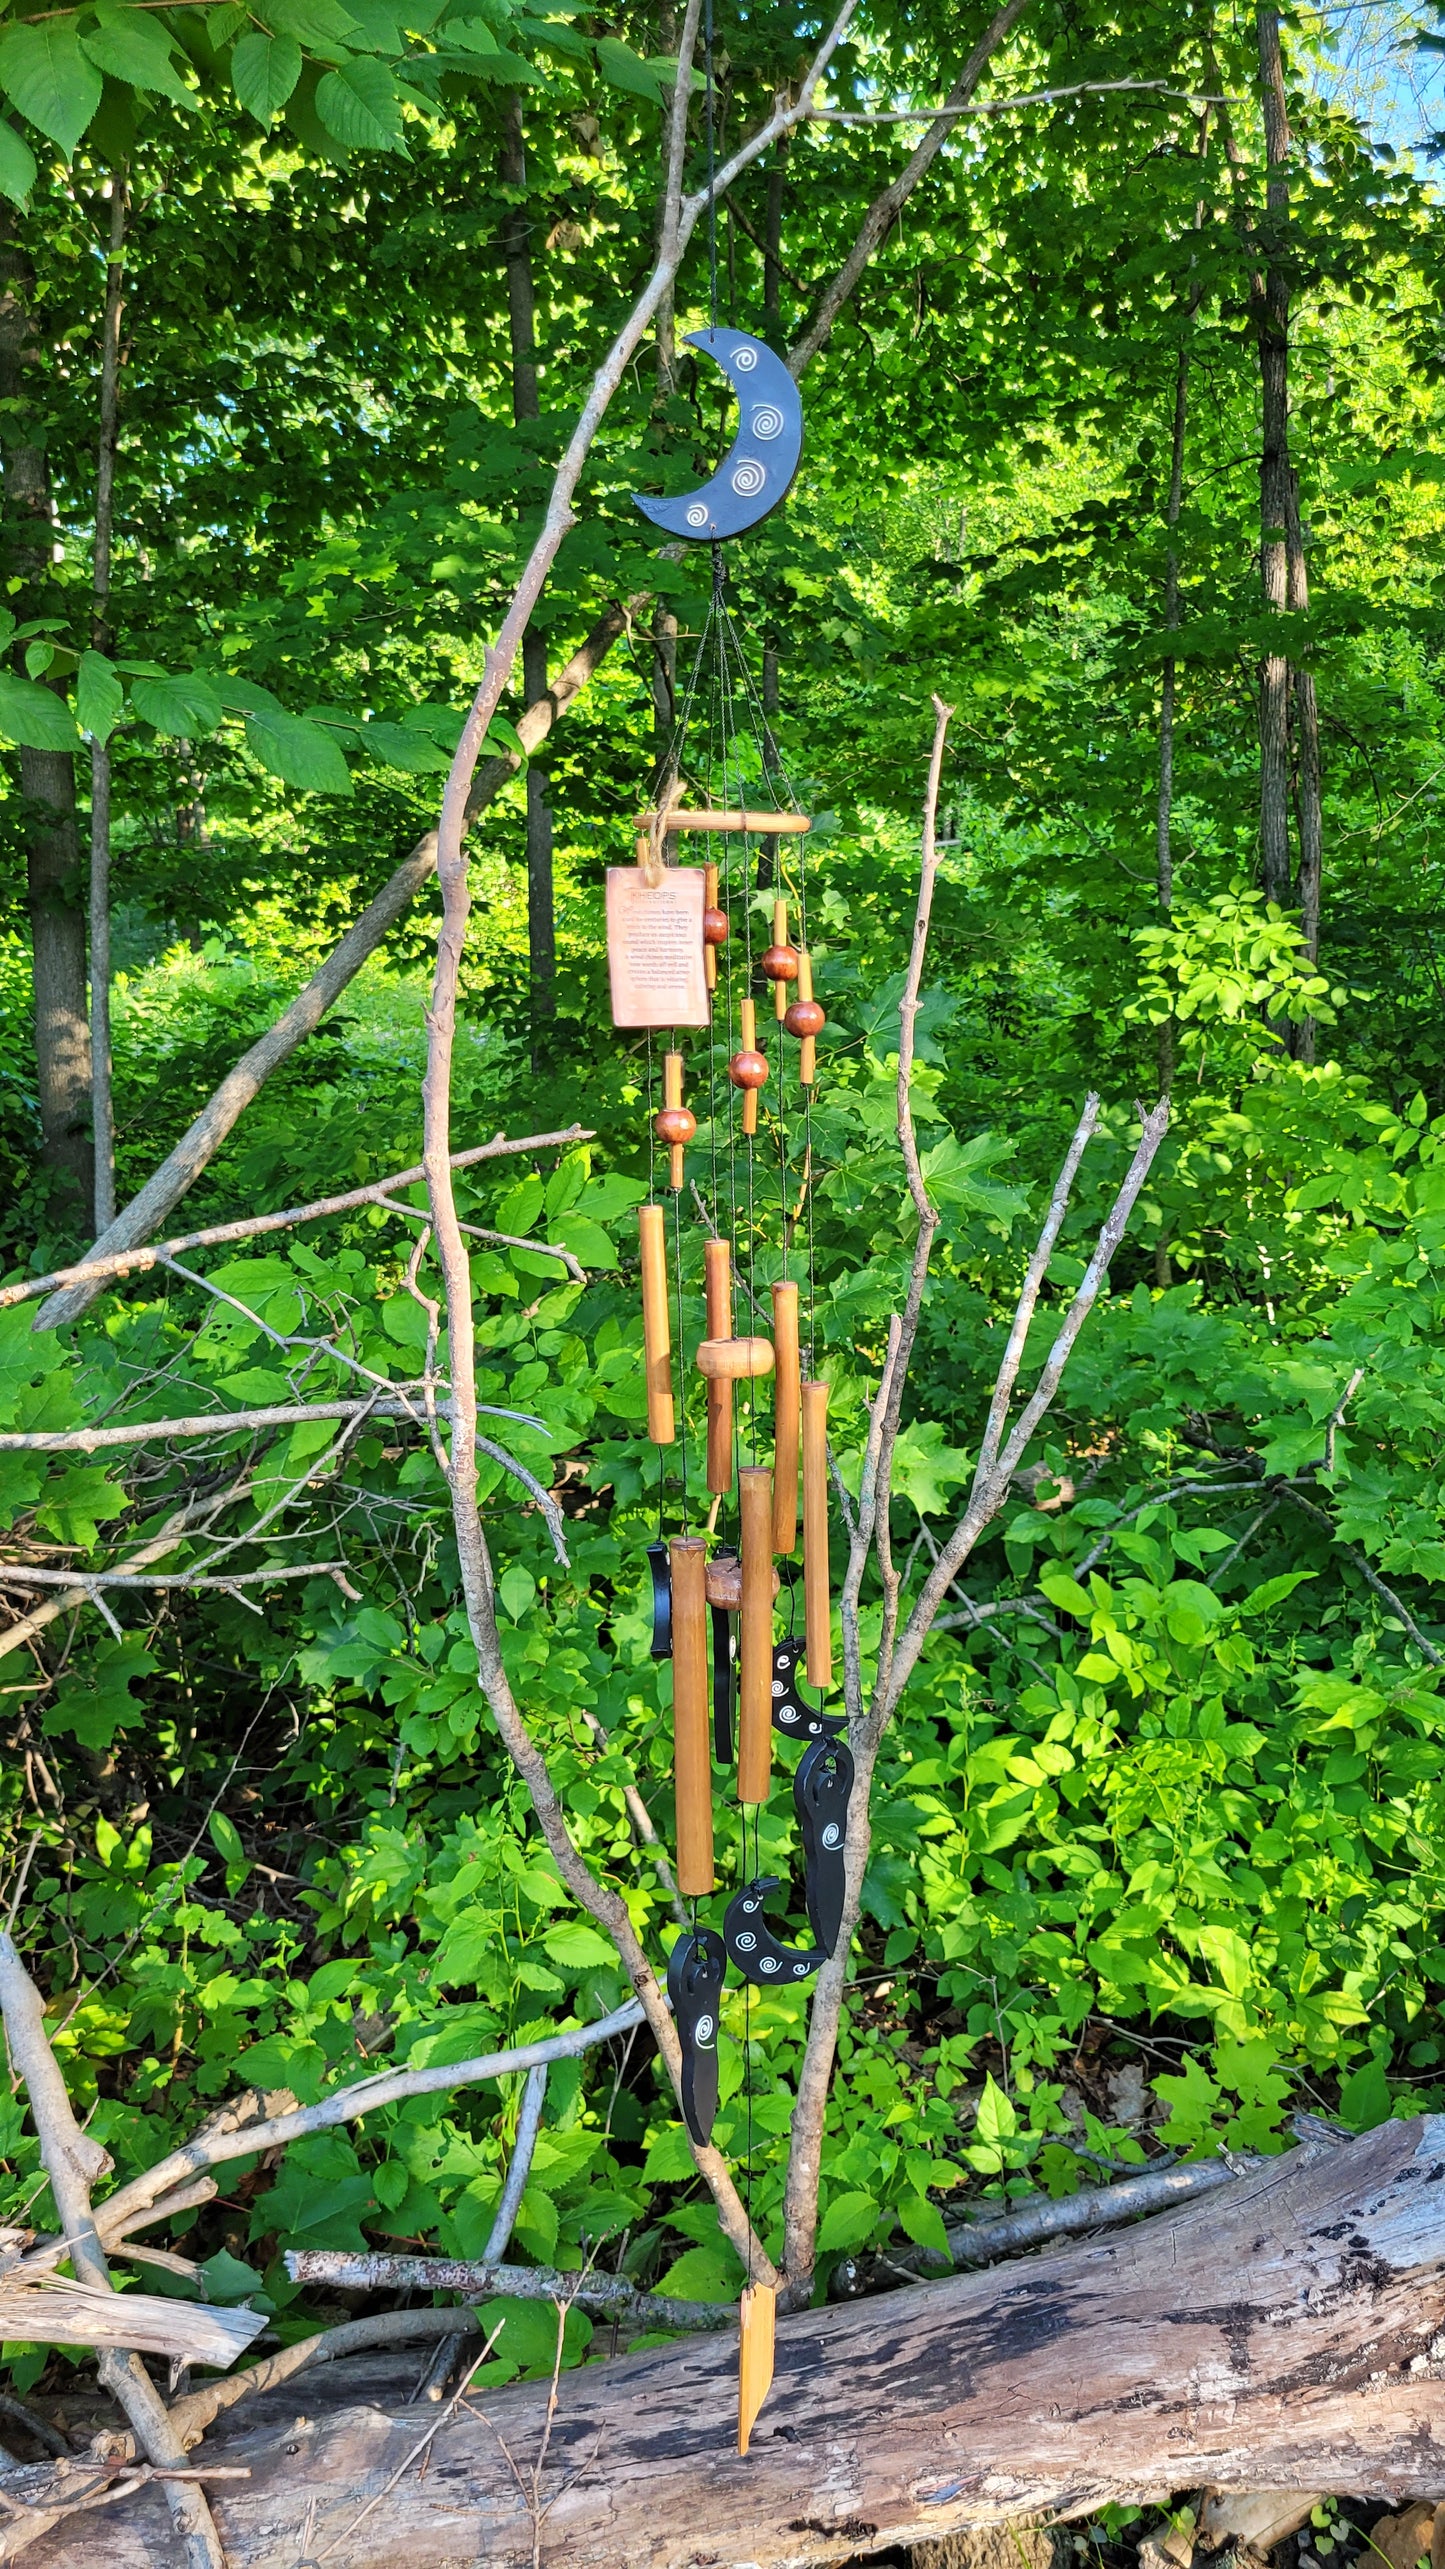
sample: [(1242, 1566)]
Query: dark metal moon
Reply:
[(758, 469)]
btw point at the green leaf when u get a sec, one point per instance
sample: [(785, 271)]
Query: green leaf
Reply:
[(397, 745), (1272, 1591), (516, 1588), (703, 2274), (1066, 1593), (180, 707), (44, 73), (849, 2220), (131, 45), (578, 1948), (997, 2120), (17, 165), (99, 695), (626, 70), (923, 2221), (34, 716), (361, 105), (264, 71), (299, 752), (324, 27), (1365, 2098), (226, 1838)]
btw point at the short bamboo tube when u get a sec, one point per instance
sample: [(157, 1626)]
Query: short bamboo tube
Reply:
[(817, 1602), (808, 1045), (757, 2335), (672, 1096), (656, 1330), (780, 938), (718, 1292), (709, 899), (691, 1750), (748, 1022), (735, 1360), (787, 1416), (755, 1635)]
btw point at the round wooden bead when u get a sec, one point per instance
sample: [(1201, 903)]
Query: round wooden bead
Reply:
[(780, 963), (674, 1124), (747, 1069), (715, 927), (735, 1360), (805, 1017)]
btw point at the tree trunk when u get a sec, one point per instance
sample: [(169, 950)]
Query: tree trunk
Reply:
[(102, 1106), (1164, 827), (522, 320), (54, 886), (1280, 2334), (1307, 771), (1271, 302)]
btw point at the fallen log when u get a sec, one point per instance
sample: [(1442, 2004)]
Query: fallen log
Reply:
[(1289, 2331)]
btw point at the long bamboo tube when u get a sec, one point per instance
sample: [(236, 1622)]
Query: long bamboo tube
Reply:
[(755, 1635), (787, 1415), (691, 1750), (718, 1288), (672, 1096), (808, 1048), (656, 1329), (817, 1604), (780, 938), (748, 1025)]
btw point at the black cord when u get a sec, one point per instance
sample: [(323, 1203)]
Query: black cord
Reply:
[(711, 176)]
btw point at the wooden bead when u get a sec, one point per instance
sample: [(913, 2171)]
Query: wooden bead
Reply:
[(725, 1582), (780, 963), (674, 1124), (805, 1017), (747, 1070), (735, 1360), (715, 929)]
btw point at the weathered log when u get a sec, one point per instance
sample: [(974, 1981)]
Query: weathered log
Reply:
[(76, 2314), (1290, 2331)]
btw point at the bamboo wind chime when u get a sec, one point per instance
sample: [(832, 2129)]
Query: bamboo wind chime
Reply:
[(682, 961)]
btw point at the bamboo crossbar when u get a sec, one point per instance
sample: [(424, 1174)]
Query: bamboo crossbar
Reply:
[(763, 824)]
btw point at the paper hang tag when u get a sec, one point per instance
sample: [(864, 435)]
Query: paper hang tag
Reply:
[(655, 948)]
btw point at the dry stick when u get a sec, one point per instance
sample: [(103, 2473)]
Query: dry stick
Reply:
[(219, 1422), (1396, 1604), (613, 2294), (73, 2163), (199, 2410), (198, 1146), (126, 1262), (102, 1103), (680, 216), (643, 1831), (21, 1578), (883, 213), (177, 1529), (240, 2130), (1035, 1272), (529, 2124)]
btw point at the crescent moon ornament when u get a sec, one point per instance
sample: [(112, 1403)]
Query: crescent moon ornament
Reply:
[(758, 469)]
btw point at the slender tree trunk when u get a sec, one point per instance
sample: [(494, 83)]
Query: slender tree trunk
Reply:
[(1272, 300), (773, 245), (522, 316), (54, 885), (1164, 827), (102, 1106), (1307, 770)]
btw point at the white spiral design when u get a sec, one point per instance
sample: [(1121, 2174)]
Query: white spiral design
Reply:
[(749, 477), (769, 1964), (703, 2030), (745, 360), (697, 516), (746, 1942), (767, 422)]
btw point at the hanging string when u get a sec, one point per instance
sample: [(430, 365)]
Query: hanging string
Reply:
[(711, 172)]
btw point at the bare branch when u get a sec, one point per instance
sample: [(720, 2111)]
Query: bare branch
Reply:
[(239, 2134), (1028, 98), (1034, 1275), (613, 2294)]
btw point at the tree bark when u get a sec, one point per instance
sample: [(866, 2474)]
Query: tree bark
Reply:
[(102, 1103), (54, 886), (1271, 302), (1267, 2337), (1307, 771)]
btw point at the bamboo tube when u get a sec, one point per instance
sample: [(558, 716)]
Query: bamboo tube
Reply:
[(709, 902), (718, 1287), (817, 1604), (757, 2317), (808, 1047), (748, 1023), (787, 1412), (735, 1360), (757, 824), (656, 1332), (672, 1096), (755, 1635), (780, 938), (691, 1751)]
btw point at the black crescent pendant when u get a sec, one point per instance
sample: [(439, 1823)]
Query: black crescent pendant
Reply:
[(696, 1969), (754, 1948), (758, 470), (792, 1713)]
